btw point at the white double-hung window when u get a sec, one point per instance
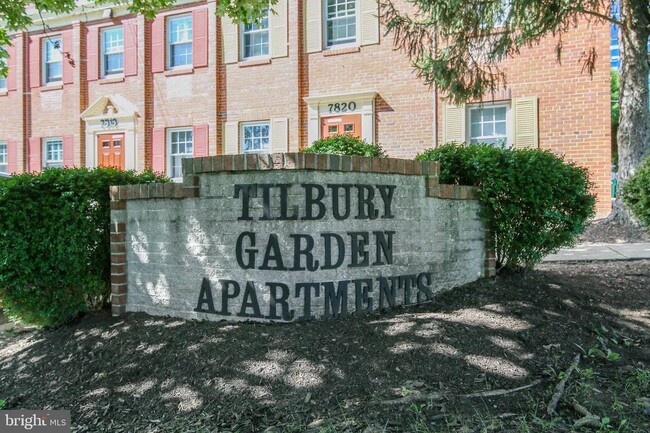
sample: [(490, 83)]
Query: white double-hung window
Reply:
[(52, 59), (255, 137), (180, 144), (489, 124), (255, 38), (340, 22), (53, 152), (3, 157), (3, 81), (179, 41), (113, 51)]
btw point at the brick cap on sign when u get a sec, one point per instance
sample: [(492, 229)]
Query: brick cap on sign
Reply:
[(308, 161), (193, 167), (153, 190)]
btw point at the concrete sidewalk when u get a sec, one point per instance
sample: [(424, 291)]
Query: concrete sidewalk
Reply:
[(590, 252)]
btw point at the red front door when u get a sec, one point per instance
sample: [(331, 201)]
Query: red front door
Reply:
[(335, 125), (111, 150)]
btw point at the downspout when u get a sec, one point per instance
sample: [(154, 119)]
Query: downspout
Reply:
[(435, 97)]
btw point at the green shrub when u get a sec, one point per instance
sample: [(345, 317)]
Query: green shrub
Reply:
[(636, 193), (534, 201), (54, 242), (345, 145)]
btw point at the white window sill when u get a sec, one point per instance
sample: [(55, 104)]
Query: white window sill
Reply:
[(181, 70), (4, 92), (254, 61), (337, 50), (52, 86), (108, 79)]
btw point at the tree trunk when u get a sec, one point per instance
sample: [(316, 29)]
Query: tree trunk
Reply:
[(633, 130)]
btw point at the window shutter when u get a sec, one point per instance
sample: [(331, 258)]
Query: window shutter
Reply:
[(34, 62), (278, 24), (158, 45), (35, 164), (130, 48), (454, 123), (11, 65), (369, 19), (314, 25), (200, 140), (68, 69), (92, 54), (68, 151), (200, 38), (525, 122), (279, 134), (230, 40), (12, 156), (231, 138), (158, 150)]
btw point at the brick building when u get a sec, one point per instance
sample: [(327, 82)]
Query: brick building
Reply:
[(105, 87)]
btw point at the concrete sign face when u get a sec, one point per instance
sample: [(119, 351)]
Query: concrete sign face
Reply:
[(290, 245)]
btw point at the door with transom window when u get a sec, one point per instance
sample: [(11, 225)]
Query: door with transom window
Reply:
[(338, 125), (111, 150)]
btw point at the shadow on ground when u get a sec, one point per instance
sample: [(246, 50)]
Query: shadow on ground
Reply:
[(143, 373)]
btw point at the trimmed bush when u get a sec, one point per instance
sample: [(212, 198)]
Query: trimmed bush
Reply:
[(54, 242), (534, 201), (636, 193), (345, 145)]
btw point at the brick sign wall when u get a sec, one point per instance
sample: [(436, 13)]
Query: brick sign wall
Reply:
[(289, 237)]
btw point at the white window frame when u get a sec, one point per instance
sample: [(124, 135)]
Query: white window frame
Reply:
[(168, 42), (4, 158), (106, 73), (52, 162), (3, 81), (509, 123), (170, 155), (242, 129), (328, 43), (50, 41), (242, 37)]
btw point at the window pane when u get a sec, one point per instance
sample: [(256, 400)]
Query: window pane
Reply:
[(180, 29), (3, 157), (488, 125), (114, 63), (256, 43), (113, 40), (113, 50), (341, 21), (53, 50), (180, 147), (53, 153), (52, 59), (181, 55), (476, 130), (256, 137)]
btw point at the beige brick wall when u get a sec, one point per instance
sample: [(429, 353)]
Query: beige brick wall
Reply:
[(12, 112)]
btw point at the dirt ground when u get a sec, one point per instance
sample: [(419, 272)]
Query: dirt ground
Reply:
[(408, 370)]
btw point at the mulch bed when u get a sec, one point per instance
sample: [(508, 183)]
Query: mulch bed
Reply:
[(603, 231), (142, 373)]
